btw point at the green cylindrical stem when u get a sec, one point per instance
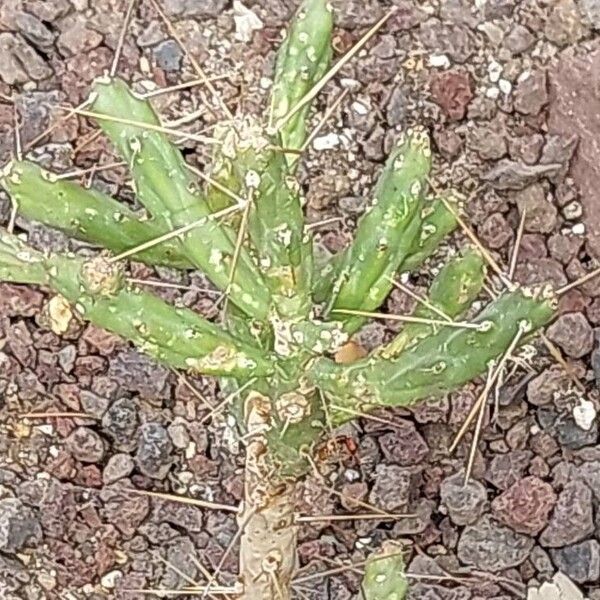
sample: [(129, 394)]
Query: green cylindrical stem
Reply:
[(175, 336), (437, 223), (167, 189), (276, 228), (19, 263), (438, 363), (385, 574), (257, 169), (87, 214), (451, 293), (386, 232), (302, 60)]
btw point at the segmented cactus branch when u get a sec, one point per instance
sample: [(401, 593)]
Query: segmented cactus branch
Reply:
[(386, 232), (452, 292), (98, 293), (87, 214), (168, 190), (437, 223), (302, 60), (440, 362)]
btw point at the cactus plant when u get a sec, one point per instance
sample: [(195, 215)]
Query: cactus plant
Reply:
[(285, 318)]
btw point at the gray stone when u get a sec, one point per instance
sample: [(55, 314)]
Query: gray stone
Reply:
[(392, 487), (573, 334), (541, 214), (120, 422), (564, 25), (34, 30), (138, 373), (76, 37), (591, 11), (396, 106), (180, 553), (519, 39), (580, 562), (590, 473), (488, 143), (506, 469), (19, 62), (153, 457), (168, 55), (86, 445), (352, 205), (118, 466), (19, 526), (193, 8), (93, 404), (492, 547), (179, 434), (572, 519), (531, 94), (66, 358), (464, 502)]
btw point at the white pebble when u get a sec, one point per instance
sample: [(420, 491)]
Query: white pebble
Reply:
[(439, 60), (359, 108), (246, 22), (110, 580), (492, 93), (584, 414), (578, 229), (327, 142), (505, 86), (494, 71)]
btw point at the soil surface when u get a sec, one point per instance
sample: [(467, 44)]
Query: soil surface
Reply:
[(510, 92)]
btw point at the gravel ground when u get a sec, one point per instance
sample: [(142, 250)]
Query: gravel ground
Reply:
[(510, 91)]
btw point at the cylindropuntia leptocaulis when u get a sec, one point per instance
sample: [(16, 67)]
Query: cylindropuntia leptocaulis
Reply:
[(287, 313)]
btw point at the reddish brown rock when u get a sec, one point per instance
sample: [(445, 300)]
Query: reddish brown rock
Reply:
[(531, 94), (573, 334), (575, 109), (451, 90), (572, 301), (526, 505), (404, 445), (19, 300), (542, 270), (101, 340), (495, 232)]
